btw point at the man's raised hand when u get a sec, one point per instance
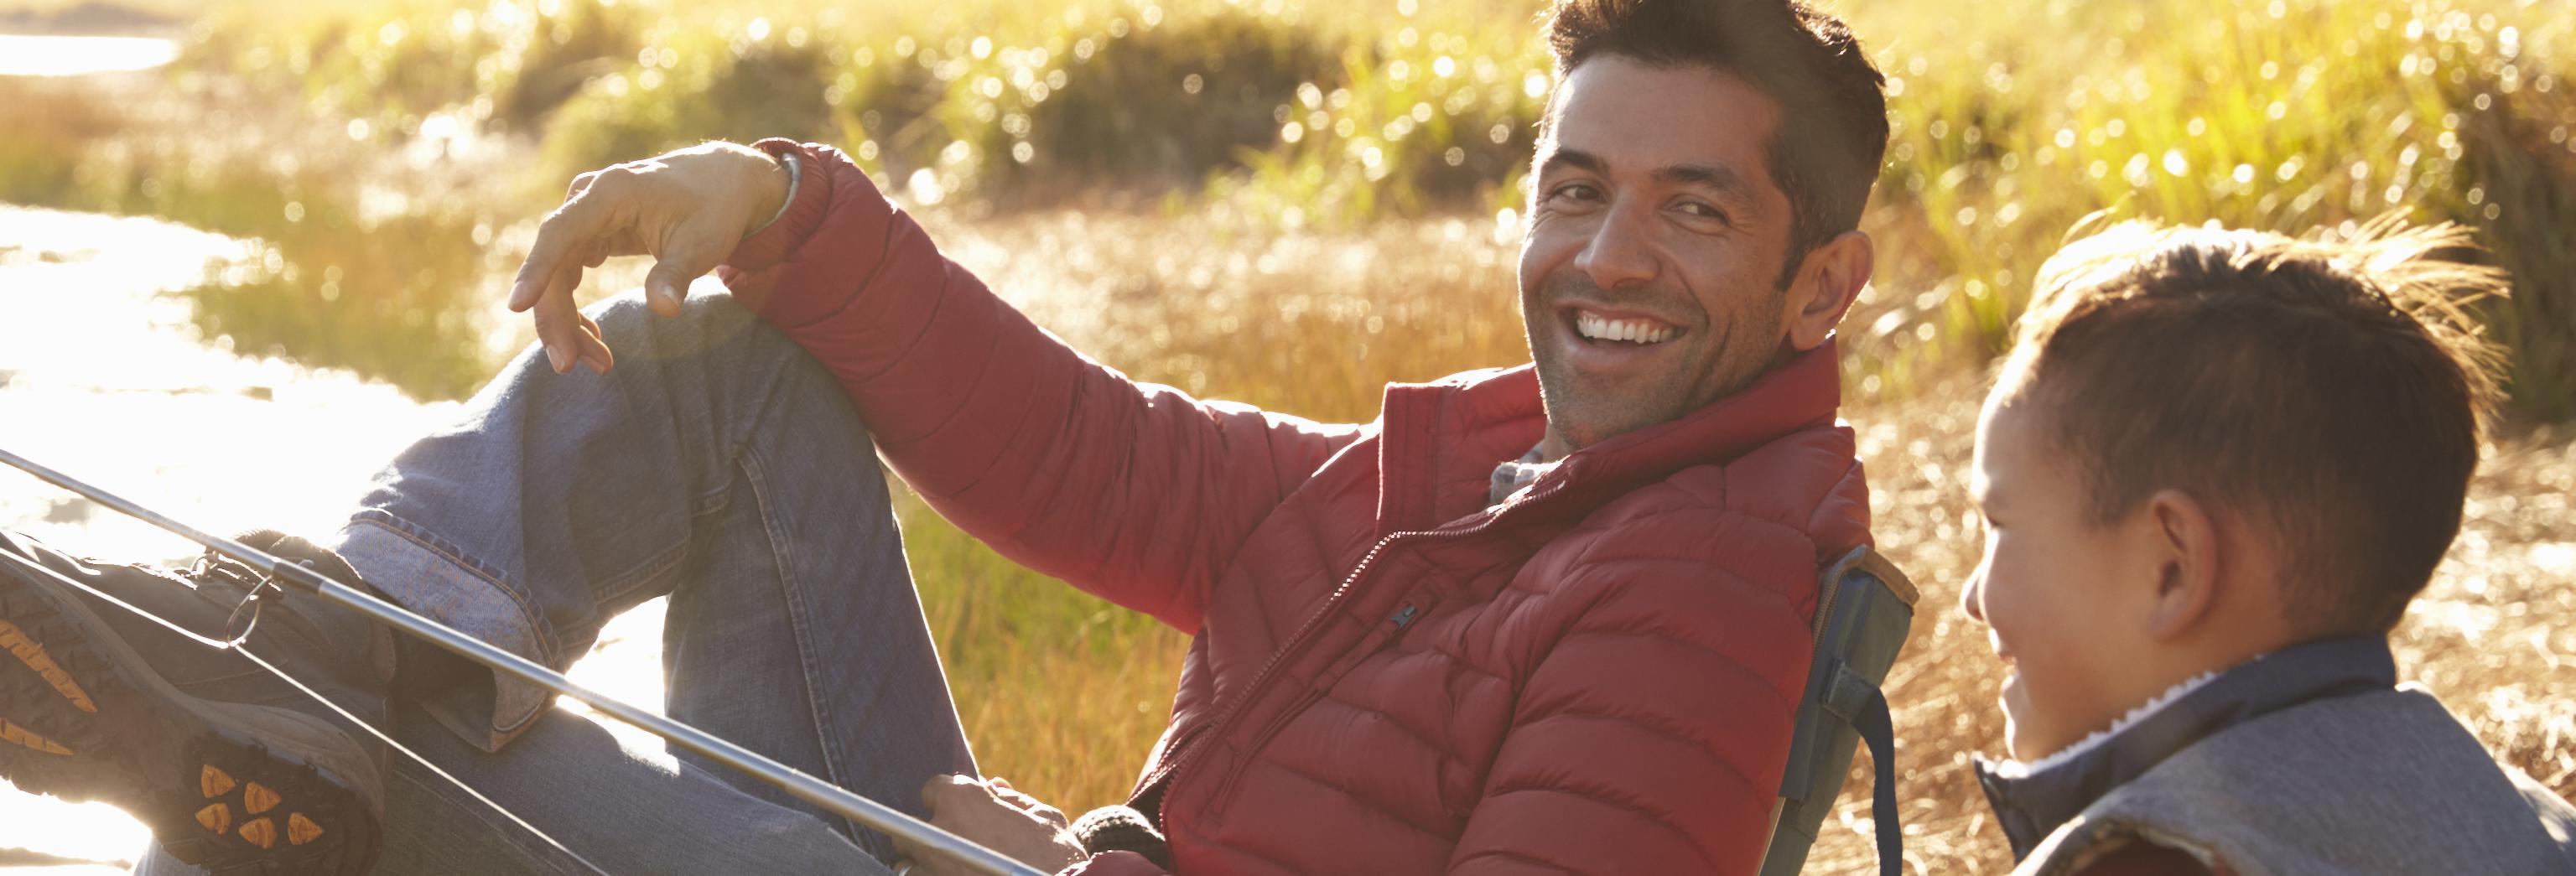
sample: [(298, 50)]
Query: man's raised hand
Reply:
[(686, 209)]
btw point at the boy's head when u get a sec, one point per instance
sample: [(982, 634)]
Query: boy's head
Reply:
[(2210, 444)]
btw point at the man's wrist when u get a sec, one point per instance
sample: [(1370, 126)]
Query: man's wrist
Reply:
[(794, 170), (807, 204)]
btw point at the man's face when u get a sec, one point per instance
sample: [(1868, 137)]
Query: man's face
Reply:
[(2047, 589), (1648, 275)]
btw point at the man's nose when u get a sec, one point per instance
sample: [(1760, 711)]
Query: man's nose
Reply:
[(1619, 254)]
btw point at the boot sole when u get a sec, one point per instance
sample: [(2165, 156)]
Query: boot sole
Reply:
[(223, 786)]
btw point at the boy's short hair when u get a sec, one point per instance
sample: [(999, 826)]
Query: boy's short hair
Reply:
[(2330, 391), (1833, 100)]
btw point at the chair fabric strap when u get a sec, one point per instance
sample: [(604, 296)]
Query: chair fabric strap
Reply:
[(1854, 700)]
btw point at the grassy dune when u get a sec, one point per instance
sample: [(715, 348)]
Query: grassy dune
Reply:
[(1291, 204)]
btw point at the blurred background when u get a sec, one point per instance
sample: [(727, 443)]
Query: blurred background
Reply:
[(247, 249)]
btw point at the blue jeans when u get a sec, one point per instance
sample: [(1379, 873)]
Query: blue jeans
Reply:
[(721, 466)]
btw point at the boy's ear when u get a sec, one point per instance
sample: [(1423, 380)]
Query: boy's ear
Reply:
[(2183, 543)]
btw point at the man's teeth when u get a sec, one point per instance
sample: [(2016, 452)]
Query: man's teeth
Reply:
[(1636, 331)]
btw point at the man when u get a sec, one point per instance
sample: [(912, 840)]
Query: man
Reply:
[(1552, 617)]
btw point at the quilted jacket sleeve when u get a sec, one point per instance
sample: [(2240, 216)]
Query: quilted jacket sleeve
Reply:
[(1135, 492), (1652, 737)]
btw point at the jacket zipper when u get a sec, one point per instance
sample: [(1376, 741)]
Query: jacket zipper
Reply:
[(1252, 691)]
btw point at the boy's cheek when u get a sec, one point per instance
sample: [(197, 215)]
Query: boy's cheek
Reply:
[(2014, 698)]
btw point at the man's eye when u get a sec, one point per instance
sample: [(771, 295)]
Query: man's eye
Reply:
[(1703, 211), (1578, 191)]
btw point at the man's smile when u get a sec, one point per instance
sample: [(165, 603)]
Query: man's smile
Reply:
[(1631, 330), (1604, 339)]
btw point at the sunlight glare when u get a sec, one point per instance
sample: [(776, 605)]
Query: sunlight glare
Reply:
[(22, 55)]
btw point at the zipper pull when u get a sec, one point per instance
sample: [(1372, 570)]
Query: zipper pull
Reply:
[(1403, 616)]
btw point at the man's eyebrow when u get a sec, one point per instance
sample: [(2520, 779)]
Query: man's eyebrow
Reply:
[(1576, 158), (1724, 180)]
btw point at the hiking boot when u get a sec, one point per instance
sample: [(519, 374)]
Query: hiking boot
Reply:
[(234, 770)]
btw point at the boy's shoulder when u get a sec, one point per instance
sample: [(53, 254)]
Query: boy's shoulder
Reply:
[(2400, 740), (2387, 781)]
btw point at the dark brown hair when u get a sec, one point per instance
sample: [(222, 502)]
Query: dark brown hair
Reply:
[(2329, 391), (1833, 107)]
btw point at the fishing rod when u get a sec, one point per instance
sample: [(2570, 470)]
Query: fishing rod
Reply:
[(840, 801)]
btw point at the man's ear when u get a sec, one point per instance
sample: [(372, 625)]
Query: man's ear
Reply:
[(2182, 541), (1829, 280)]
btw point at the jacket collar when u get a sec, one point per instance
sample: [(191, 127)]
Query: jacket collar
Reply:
[(1441, 441), (2031, 801)]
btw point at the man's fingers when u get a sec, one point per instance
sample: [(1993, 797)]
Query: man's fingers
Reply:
[(1012, 796), (594, 345), (559, 321), (572, 331), (553, 317), (691, 249), (947, 792), (564, 233), (668, 283), (1015, 798), (1032, 806), (949, 783)]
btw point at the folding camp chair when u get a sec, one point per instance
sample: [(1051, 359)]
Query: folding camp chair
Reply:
[(1863, 611)]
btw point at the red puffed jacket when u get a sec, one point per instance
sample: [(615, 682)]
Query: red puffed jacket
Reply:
[(1387, 676)]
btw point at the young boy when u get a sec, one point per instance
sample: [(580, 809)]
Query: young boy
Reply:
[(2215, 470)]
